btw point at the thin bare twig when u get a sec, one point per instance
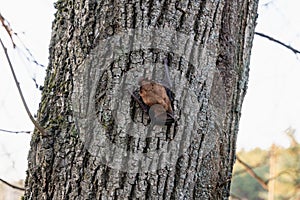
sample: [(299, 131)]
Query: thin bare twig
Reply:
[(10, 32), (287, 171), (16, 132), (30, 56), (263, 183), (11, 185), (244, 170), (268, 3), (37, 126), (253, 174), (8, 29), (295, 51)]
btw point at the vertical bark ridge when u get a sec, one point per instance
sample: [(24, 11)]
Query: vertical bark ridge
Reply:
[(234, 71)]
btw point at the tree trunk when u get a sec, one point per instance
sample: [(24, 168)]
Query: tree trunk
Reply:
[(99, 142)]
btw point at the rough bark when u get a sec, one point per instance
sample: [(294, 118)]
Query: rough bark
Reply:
[(99, 143)]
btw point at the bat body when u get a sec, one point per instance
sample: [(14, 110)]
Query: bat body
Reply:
[(157, 99), (155, 93)]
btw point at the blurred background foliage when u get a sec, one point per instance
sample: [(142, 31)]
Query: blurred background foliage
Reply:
[(279, 168)]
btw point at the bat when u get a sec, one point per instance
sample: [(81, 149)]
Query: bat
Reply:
[(156, 99)]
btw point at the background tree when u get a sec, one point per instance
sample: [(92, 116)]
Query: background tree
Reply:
[(98, 143)]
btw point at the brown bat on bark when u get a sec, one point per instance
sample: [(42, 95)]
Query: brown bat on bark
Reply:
[(156, 99)]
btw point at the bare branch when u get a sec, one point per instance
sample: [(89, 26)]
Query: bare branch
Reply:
[(253, 174), (236, 173), (244, 170), (279, 174), (295, 51), (8, 29), (11, 185), (16, 132), (290, 132), (37, 126), (30, 56), (10, 32)]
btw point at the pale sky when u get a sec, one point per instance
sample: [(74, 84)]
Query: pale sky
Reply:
[(271, 104)]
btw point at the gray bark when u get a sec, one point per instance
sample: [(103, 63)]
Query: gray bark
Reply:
[(99, 144)]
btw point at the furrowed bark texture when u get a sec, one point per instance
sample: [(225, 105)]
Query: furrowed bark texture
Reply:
[(86, 98)]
